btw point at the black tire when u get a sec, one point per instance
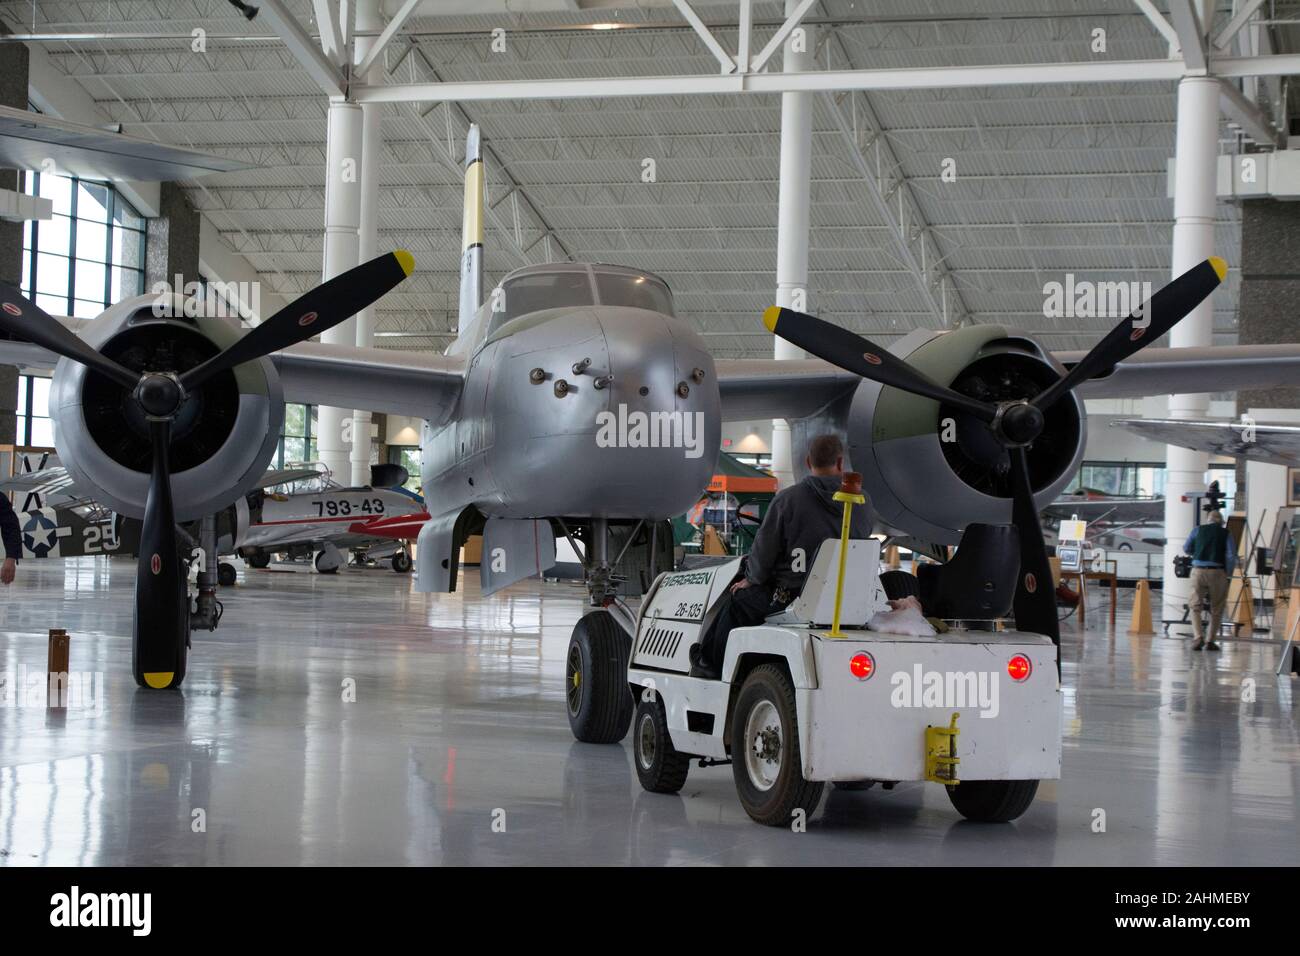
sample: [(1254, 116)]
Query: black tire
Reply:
[(659, 766), (321, 570), (767, 688), (899, 584), (992, 801), (597, 695), (402, 562), (259, 560), (226, 575)]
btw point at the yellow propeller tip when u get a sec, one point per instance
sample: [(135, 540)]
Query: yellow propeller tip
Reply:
[(405, 260), (1220, 267), (770, 315)]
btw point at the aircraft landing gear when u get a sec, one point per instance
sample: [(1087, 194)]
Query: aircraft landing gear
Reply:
[(259, 560), (402, 562), (226, 575), (595, 679), (597, 695), (329, 559)]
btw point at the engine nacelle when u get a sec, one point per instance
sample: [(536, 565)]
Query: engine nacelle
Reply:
[(224, 434), (931, 470)]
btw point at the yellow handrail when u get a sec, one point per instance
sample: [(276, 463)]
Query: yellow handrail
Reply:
[(850, 494)]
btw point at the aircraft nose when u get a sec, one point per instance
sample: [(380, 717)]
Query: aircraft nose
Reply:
[(662, 412)]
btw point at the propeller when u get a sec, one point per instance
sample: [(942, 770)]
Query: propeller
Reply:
[(312, 313), (1015, 424), (853, 353), (161, 608)]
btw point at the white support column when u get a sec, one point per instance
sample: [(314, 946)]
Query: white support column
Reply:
[(792, 220), (369, 19), (343, 177), (1195, 164)]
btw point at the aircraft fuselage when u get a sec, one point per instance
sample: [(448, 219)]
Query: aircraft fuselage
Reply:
[(588, 411)]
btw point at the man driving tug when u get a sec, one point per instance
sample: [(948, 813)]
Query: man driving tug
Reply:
[(799, 519)]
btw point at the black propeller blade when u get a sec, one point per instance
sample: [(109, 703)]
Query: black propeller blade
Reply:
[(853, 353), (1035, 602), (25, 319), (158, 652), (310, 314), (1169, 306)]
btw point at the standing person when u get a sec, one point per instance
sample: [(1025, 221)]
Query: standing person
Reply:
[(800, 518), (13, 540), (1214, 555)]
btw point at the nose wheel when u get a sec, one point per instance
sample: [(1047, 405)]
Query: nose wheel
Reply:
[(597, 695)]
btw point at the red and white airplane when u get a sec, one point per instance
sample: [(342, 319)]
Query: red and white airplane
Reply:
[(373, 521)]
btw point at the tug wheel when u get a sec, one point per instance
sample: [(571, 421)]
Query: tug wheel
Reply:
[(226, 575), (259, 560), (595, 680), (765, 758), (992, 801), (659, 766)]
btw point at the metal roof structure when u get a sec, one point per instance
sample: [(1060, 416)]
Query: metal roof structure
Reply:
[(1050, 179)]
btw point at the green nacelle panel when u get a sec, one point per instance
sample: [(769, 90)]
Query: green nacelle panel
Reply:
[(899, 414)]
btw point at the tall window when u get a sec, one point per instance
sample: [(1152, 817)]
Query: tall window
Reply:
[(33, 415), (296, 441), (89, 255), (408, 456)]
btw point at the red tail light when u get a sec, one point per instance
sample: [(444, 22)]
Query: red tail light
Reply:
[(1019, 667), (862, 665)]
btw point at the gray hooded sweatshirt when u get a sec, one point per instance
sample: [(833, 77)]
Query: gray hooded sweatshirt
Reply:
[(800, 517)]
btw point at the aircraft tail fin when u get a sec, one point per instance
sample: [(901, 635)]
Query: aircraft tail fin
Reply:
[(471, 257)]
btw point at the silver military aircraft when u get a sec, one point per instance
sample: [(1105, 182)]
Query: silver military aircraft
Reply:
[(574, 401)]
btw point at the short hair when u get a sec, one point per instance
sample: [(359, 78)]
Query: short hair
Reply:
[(1216, 516), (825, 450)]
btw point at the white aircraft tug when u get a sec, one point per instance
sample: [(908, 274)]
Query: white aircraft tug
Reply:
[(812, 695)]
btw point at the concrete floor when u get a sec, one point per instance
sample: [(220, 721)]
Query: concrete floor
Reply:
[(459, 722)]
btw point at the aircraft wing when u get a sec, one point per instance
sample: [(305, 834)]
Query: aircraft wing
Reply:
[(282, 476), (29, 140), (421, 384), (767, 388), (1224, 368), (1278, 444), (32, 480)]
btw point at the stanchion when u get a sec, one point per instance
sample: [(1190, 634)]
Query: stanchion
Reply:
[(57, 668), (1141, 623)]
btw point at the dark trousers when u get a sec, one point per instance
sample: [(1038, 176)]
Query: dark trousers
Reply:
[(743, 608)]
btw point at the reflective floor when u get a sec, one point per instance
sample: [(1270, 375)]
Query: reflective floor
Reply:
[(345, 719)]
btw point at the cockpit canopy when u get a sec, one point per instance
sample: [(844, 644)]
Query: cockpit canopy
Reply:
[(568, 284)]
